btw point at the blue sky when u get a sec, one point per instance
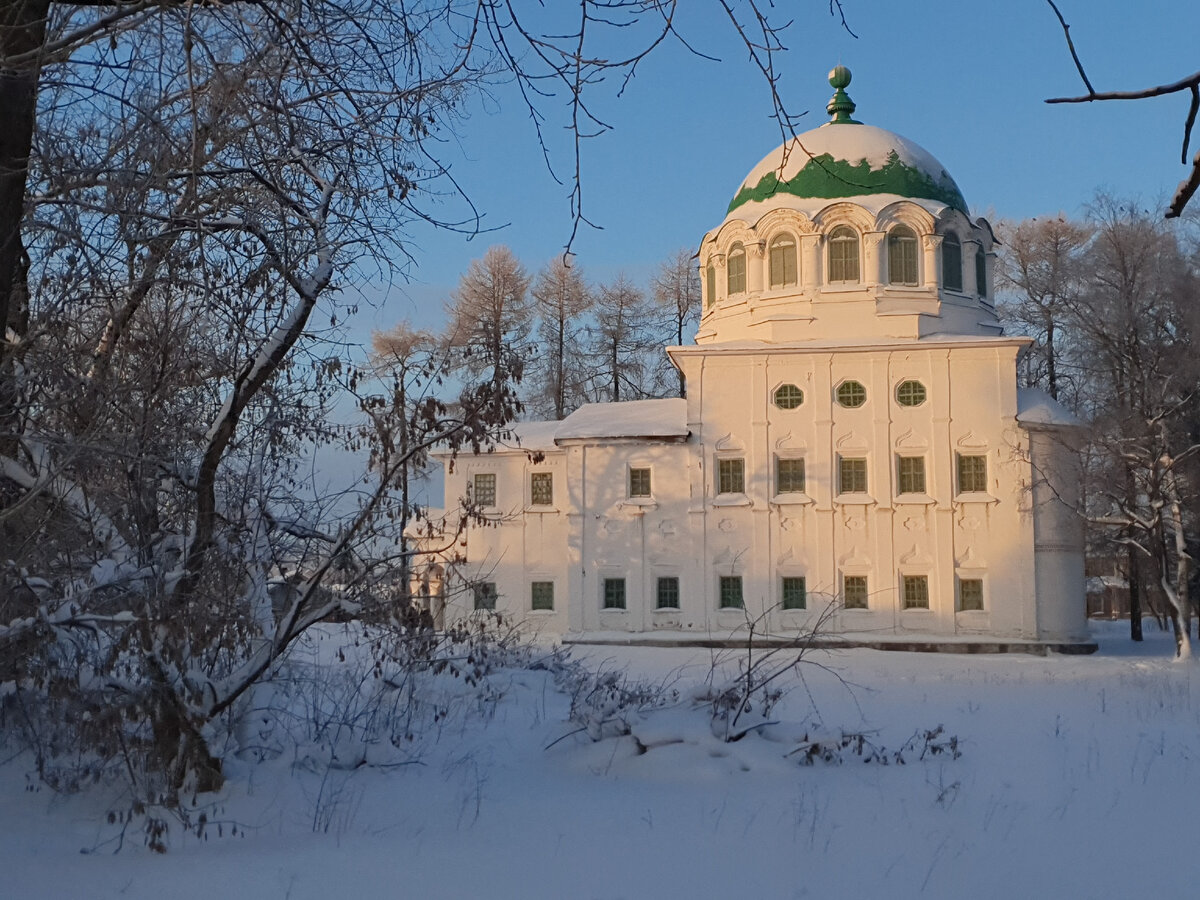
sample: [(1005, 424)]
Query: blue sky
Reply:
[(966, 81)]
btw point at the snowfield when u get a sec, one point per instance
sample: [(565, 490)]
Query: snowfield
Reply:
[(1078, 777)]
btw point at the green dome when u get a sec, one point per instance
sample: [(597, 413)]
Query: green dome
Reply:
[(842, 161)]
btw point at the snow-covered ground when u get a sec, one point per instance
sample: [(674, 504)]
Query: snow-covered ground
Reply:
[(1078, 777)]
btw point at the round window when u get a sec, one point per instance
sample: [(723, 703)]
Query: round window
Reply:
[(788, 396), (851, 394), (910, 393)]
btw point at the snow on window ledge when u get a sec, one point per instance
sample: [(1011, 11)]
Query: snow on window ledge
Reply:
[(739, 499)]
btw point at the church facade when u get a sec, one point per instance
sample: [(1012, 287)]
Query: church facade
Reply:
[(853, 448)]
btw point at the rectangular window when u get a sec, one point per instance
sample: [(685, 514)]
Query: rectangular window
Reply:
[(731, 592), (972, 474), (854, 591), (667, 595), (916, 591), (970, 594), (902, 260), (541, 489), (614, 593), (789, 476), (541, 595), (794, 594), (485, 595), (852, 475), (483, 489), (731, 476), (639, 482), (911, 471)]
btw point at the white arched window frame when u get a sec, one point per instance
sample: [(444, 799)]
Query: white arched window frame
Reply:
[(843, 255), (783, 269), (952, 269), (735, 270), (902, 256), (710, 284)]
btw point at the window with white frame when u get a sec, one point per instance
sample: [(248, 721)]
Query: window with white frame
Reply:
[(735, 270), (852, 475), (483, 489), (972, 473), (915, 591), (970, 595), (614, 593), (730, 592), (789, 475), (854, 591), (485, 595), (541, 489), (843, 255), (639, 482), (788, 396), (851, 394), (666, 593), (952, 279), (781, 261), (902, 255), (910, 393), (541, 595), (793, 594), (910, 475), (731, 475)]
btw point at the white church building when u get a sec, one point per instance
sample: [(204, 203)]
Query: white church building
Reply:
[(853, 446)]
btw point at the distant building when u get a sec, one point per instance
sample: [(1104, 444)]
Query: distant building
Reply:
[(853, 435)]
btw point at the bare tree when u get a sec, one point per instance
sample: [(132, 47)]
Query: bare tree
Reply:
[(561, 296), (621, 342), (1042, 261), (677, 294)]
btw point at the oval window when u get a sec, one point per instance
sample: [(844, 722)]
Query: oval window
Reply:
[(788, 396), (910, 393), (851, 394)]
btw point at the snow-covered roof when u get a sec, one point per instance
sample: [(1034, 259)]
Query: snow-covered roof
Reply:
[(531, 436), (1036, 407), (842, 161), (662, 419)]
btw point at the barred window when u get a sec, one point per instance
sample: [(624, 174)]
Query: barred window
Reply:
[(782, 261), (710, 285), (970, 594), (911, 471), (851, 394), (972, 474), (789, 475), (794, 595), (731, 476), (910, 393), (916, 591), (852, 475), (541, 489), (483, 489), (639, 482), (541, 595), (951, 263), (614, 593), (667, 593), (981, 274), (854, 591), (485, 595), (902, 255), (731, 592), (788, 396), (736, 270), (843, 255)]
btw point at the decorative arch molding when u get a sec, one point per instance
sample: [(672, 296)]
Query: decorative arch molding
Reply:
[(852, 441), (972, 441), (951, 221), (789, 442), (916, 557), (783, 221), (844, 213), (905, 212), (733, 232), (911, 440)]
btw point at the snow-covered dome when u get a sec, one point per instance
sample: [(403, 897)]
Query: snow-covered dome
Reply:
[(844, 159)]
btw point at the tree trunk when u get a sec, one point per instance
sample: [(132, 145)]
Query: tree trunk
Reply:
[(1135, 598), (22, 31)]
